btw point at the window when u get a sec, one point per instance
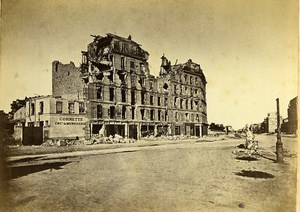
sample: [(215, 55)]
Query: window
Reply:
[(81, 107), (166, 101), (158, 101), (122, 62), (123, 112), (71, 107), (58, 107), (132, 112), (151, 100), (99, 93), (32, 109), (176, 116), (111, 94), (166, 116), (99, 111), (152, 115), (191, 80), (159, 115), (175, 102), (47, 123), (123, 94), (30, 124), (132, 65), (187, 104), (143, 97), (41, 107), (191, 104), (181, 103), (111, 112), (143, 113), (175, 89), (132, 97)]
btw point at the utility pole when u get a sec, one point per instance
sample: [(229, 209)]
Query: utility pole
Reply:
[(279, 148)]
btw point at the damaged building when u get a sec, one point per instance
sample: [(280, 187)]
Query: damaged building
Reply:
[(122, 97)]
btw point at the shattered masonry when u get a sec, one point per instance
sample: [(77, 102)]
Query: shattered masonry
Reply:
[(122, 97)]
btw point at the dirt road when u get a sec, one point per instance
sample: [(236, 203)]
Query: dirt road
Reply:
[(193, 176)]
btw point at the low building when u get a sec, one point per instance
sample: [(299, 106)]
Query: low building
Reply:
[(292, 116), (48, 117)]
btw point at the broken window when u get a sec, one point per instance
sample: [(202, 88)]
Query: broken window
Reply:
[(122, 75), (32, 109), (143, 113), (71, 107), (132, 65), (151, 100), (41, 107), (84, 57), (159, 115), (81, 107), (122, 62), (185, 78), (152, 115), (99, 93), (123, 93), (99, 111), (151, 84), (187, 117), (111, 112), (111, 94), (141, 81), (165, 87), (132, 112), (58, 107), (158, 101), (142, 68), (123, 112), (111, 76), (132, 98)]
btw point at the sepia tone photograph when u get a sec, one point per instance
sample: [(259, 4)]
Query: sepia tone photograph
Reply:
[(135, 105)]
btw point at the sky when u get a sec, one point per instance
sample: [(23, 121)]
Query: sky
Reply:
[(248, 50)]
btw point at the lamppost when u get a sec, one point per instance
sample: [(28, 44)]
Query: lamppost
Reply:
[(279, 148)]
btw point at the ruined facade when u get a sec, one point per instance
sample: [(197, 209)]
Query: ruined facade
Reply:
[(66, 81), (122, 97)]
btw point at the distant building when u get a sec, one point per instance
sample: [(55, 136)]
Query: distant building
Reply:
[(123, 98), (3, 120), (271, 122), (292, 116)]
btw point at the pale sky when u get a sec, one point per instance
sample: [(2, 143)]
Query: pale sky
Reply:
[(248, 50)]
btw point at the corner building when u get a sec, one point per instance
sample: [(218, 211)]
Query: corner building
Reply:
[(122, 97)]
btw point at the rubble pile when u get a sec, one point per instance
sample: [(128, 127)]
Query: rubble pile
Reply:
[(289, 153), (112, 139), (62, 142)]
